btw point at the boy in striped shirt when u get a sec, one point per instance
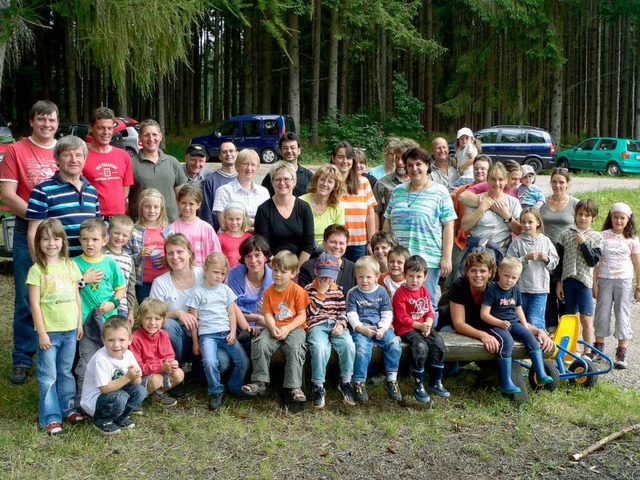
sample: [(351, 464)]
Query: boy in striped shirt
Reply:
[(327, 326)]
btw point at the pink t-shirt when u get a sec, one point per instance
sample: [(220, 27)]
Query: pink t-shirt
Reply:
[(27, 164), (616, 259), (231, 247), (153, 238), (109, 173), (202, 237)]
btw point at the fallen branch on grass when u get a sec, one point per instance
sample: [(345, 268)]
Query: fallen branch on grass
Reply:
[(602, 442)]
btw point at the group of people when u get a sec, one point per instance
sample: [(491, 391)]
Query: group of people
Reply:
[(225, 271)]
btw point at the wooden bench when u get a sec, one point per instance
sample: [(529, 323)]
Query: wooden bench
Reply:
[(459, 348)]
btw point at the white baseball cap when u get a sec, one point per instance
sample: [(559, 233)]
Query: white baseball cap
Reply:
[(527, 170), (465, 131)]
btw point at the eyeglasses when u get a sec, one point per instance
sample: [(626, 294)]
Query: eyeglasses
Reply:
[(282, 180)]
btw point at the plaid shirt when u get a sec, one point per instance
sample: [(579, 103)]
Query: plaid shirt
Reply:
[(577, 261)]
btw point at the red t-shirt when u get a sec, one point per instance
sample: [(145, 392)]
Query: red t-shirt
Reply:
[(411, 306), (153, 238), (109, 173), (231, 246), (27, 164)]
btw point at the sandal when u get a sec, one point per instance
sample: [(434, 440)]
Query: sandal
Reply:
[(297, 395), (254, 389)]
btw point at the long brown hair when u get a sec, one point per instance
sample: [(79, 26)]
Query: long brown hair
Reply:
[(352, 181), (54, 228)]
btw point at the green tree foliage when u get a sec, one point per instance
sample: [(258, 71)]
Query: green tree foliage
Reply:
[(406, 119), (148, 38), (360, 130)]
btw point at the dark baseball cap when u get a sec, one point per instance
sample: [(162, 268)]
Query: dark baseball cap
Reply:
[(197, 149)]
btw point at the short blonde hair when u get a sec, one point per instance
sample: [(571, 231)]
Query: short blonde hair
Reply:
[(246, 155), (510, 263), (124, 221), (153, 306), (217, 259), (246, 221), (368, 263), (282, 165), (285, 261)]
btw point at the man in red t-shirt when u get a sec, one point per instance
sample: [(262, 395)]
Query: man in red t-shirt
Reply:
[(26, 163), (108, 168)]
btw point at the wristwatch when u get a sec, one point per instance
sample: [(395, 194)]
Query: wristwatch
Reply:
[(81, 283)]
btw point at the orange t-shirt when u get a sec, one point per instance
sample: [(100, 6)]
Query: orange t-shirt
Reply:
[(285, 305)]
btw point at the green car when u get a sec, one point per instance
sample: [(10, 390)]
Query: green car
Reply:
[(602, 154)]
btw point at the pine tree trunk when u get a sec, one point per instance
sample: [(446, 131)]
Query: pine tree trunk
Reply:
[(267, 75), (294, 70), (247, 56), (332, 90), (161, 115), (315, 90)]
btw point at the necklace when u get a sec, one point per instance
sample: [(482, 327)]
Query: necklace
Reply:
[(184, 284), (417, 194)]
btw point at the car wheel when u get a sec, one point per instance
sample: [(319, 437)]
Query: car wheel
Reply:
[(613, 169), (534, 163), (268, 156), (563, 163), (132, 153)]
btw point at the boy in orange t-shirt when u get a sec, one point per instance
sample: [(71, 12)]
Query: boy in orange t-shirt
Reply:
[(284, 307)]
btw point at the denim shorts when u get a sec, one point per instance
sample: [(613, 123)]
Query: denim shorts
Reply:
[(577, 297), (166, 381)]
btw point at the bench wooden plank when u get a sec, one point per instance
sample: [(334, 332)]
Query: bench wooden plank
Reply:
[(459, 349)]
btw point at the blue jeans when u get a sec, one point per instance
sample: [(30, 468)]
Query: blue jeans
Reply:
[(25, 339), (535, 306), (56, 385), (517, 331), (391, 352), (116, 406), (354, 252), (431, 284), (142, 291), (211, 344), (320, 340), (183, 345)]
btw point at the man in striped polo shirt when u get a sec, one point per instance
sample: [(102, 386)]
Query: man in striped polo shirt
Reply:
[(67, 196)]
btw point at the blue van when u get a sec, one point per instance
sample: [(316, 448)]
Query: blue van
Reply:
[(258, 132)]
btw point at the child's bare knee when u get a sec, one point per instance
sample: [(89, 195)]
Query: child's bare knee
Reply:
[(154, 383), (176, 377)]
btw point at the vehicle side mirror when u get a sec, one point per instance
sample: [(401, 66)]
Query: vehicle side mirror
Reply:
[(217, 134)]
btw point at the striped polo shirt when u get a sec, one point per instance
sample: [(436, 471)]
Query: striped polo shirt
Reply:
[(355, 211), (56, 198)]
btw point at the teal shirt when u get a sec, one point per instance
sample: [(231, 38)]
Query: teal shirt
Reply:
[(93, 294), (417, 218)]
